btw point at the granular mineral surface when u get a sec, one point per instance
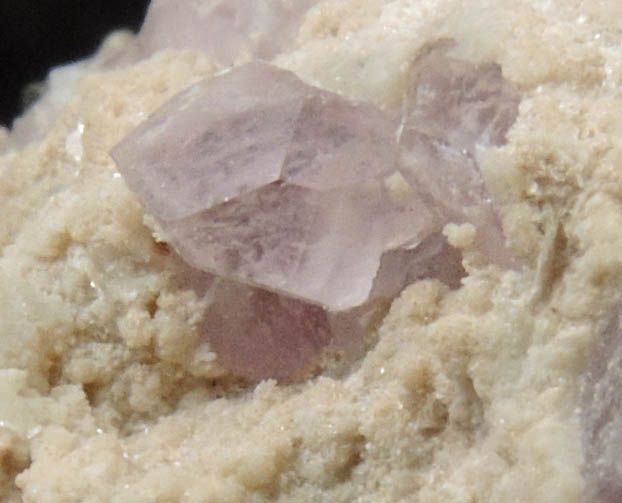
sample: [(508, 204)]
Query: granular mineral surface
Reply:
[(122, 364)]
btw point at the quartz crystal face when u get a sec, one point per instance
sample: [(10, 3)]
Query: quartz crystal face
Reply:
[(243, 323), (226, 30), (601, 417), (459, 103), (314, 204)]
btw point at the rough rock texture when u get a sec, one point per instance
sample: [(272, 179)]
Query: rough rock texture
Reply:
[(601, 417), (108, 391), (58, 88)]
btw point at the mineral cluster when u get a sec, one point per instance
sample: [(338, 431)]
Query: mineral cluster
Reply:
[(601, 417), (321, 202), (260, 177)]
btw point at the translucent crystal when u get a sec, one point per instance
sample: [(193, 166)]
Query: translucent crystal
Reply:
[(454, 108), (224, 29), (459, 103), (601, 417), (256, 176), (243, 324)]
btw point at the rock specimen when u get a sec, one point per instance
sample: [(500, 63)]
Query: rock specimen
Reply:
[(601, 417), (258, 177), (224, 29)]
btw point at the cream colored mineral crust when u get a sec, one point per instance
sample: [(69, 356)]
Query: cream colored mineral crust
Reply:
[(109, 393)]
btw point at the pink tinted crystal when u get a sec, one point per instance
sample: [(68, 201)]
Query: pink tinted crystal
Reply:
[(453, 108), (601, 417), (220, 138), (459, 103), (256, 176), (260, 334), (224, 29)]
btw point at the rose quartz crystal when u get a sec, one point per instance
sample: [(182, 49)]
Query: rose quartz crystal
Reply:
[(314, 204), (256, 176), (225, 29), (601, 417), (454, 108), (459, 103)]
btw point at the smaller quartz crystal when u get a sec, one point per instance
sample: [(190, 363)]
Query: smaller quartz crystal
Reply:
[(601, 417), (461, 104), (453, 109)]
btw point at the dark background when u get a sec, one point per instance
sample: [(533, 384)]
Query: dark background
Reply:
[(38, 34)]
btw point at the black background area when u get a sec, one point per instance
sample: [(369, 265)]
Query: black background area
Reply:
[(36, 35)]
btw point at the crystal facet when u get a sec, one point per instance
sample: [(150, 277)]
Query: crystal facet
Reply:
[(601, 417), (459, 103), (243, 323)]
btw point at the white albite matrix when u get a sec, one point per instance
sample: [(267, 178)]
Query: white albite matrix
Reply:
[(120, 364)]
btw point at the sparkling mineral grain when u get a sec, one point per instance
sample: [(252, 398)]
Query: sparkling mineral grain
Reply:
[(227, 30), (601, 417)]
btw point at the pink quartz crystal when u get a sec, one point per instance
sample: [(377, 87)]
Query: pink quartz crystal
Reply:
[(256, 176), (313, 204), (227, 30), (462, 104), (601, 417), (454, 108)]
